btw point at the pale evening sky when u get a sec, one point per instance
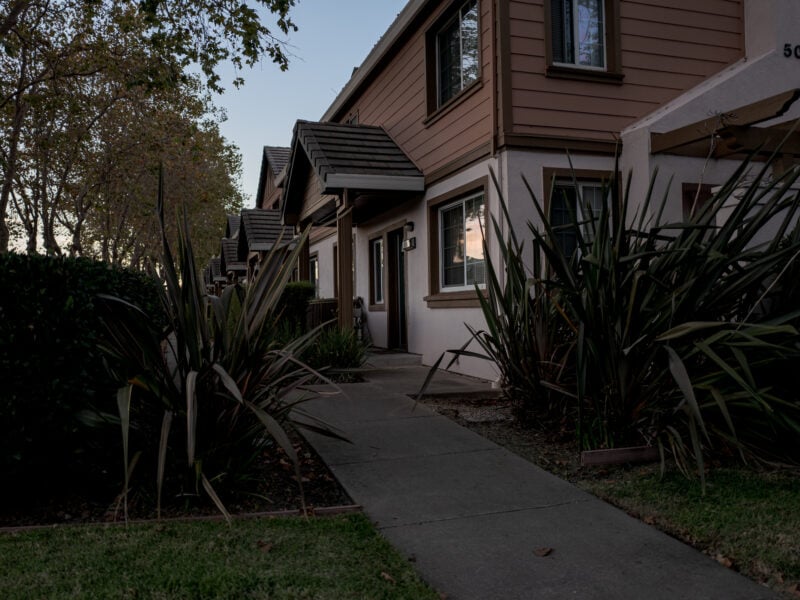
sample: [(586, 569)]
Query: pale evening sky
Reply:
[(333, 37)]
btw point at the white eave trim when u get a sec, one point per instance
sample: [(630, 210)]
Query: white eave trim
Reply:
[(373, 182)]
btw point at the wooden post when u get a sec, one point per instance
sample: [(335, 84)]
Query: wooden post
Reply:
[(303, 269), (344, 231)]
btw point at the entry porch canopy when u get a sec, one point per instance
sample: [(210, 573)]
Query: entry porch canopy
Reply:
[(345, 174), (736, 133)]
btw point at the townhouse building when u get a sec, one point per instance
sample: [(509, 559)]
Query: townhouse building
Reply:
[(464, 102)]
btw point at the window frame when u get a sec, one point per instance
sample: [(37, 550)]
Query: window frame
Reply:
[(611, 72), (377, 274), (583, 177), (432, 60), (313, 273), (449, 297), (702, 192)]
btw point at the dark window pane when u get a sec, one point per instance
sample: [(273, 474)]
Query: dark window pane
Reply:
[(577, 30), (557, 30), (590, 45), (469, 44), (562, 215), (461, 228), (449, 42), (452, 230), (457, 52), (561, 30), (377, 271)]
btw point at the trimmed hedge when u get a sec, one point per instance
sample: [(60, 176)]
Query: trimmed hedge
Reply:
[(294, 304), (55, 393)]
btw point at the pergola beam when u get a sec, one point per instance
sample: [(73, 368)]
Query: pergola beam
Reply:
[(677, 140)]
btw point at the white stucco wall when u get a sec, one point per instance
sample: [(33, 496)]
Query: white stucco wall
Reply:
[(434, 330), (324, 250)]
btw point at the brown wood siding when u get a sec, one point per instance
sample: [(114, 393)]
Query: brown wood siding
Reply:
[(396, 98), (312, 199), (665, 50)]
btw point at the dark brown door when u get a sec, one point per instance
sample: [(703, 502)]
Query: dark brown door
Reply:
[(396, 291)]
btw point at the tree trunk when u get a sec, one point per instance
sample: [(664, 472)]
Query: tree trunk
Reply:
[(8, 176)]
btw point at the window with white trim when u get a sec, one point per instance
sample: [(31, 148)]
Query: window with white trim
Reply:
[(457, 54), (313, 273), (461, 259), (376, 260), (578, 33)]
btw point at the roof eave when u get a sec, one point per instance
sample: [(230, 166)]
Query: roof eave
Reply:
[(335, 183), (287, 195)]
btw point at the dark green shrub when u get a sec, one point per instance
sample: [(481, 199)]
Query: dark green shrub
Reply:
[(294, 304), (335, 350), (55, 389)]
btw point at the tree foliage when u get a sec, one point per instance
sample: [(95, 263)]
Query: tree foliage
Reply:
[(94, 95), (203, 32)]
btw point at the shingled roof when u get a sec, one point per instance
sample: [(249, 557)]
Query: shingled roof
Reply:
[(261, 229), (273, 160), (359, 157), (277, 157), (230, 257), (232, 228)]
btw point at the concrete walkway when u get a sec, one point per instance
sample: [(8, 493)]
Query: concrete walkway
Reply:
[(472, 515)]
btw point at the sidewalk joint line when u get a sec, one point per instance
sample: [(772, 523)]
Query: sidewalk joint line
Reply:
[(412, 457), (487, 514)]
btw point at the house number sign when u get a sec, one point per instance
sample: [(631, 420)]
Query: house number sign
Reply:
[(789, 51)]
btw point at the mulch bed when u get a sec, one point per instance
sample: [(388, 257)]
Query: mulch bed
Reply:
[(551, 446), (278, 491)]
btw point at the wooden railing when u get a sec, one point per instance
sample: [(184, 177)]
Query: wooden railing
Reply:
[(321, 311)]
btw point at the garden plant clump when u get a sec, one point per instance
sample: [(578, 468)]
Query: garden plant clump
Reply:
[(679, 335), (206, 396)]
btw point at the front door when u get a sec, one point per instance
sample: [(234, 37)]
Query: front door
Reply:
[(396, 291)]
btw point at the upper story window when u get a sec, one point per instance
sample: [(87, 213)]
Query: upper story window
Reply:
[(457, 54), (461, 258), (583, 39), (578, 29)]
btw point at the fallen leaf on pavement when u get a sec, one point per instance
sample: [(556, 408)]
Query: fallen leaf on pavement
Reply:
[(543, 552)]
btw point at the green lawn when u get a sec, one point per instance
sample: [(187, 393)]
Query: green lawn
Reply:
[(338, 558), (747, 519)]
